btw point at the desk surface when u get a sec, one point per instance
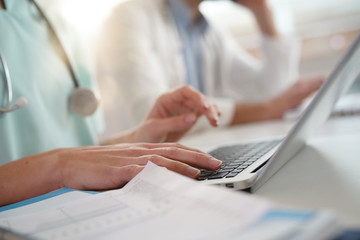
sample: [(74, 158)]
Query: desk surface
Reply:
[(324, 175)]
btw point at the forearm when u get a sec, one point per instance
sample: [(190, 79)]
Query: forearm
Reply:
[(28, 177), (263, 15), (254, 112), (265, 20)]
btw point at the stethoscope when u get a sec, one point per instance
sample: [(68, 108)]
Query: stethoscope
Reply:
[(83, 101)]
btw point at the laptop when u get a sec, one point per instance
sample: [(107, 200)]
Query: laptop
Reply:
[(249, 166)]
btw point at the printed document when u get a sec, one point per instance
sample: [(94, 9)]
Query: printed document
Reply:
[(156, 204)]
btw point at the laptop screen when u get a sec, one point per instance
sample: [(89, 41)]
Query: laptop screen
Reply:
[(345, 73)]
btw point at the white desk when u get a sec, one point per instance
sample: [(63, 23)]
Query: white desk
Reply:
[(324, 175)]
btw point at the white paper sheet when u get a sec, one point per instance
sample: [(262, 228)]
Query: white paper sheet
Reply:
[(156, 204)]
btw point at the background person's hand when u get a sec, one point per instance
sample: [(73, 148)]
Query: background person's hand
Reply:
[(173, 114), (278, 106), (294, 96)]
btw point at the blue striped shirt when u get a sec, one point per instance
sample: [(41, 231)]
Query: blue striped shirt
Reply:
[(190, 33)]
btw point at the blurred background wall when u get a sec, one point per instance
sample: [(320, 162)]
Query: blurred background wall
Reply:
[(325, 27)]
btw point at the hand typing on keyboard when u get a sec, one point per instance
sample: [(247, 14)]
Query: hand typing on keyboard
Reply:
[(236, 159)]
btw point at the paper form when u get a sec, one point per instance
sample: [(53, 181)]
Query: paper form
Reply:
[(156, 204)]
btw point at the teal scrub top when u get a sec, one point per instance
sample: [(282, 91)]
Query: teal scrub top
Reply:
[(39, 74)]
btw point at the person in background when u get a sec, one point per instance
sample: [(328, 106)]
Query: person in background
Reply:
[(169, 43), (45, 146)]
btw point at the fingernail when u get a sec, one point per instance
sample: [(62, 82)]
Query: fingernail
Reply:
[(214, 163), (193, 172), (190, 118), (206, 104), (216, 117), (217, 120)]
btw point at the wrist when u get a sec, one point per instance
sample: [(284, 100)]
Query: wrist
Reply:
[(55, 168), (274, 109), (129, 136), (125, 137)]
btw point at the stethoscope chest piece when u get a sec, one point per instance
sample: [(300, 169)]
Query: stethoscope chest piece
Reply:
[(83, 101)]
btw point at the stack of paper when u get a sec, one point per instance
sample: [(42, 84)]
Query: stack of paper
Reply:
[(160, 204)]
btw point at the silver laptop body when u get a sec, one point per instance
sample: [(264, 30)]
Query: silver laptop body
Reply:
[(253, 174)]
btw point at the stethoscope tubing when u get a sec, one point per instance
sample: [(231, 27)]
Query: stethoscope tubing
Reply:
[(83, 101), (58, 41), (7, 82)]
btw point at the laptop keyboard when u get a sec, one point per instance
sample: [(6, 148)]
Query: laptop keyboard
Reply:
[(237, 158)]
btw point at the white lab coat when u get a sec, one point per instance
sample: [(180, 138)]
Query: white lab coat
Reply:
[(141, 57)]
